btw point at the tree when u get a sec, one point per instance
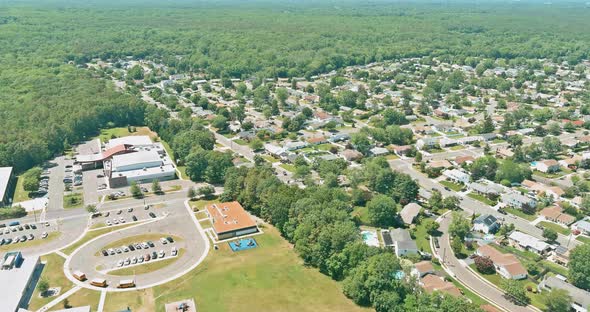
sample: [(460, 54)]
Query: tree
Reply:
[(451, 202), (206, 191), (557, 300), (135, 72), (91, 209), (512, 172), (135, 190), (484, 167), (361, 142), (550, 234), (459, 226), (484, 265), (551, 146), (156, 188), (515, 292), (282, 95), (457, 246), (256, 144), (436, 200), (220, 123), (579, 270), (191, 193), (43, 286), (382, 210), (430, 225)]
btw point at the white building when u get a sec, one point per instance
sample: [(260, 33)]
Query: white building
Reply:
[(17, 276), (142, 167), (137, 141), (457, 176)]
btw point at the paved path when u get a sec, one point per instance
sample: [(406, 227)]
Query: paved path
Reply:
[(467, 277), (103, 297), (59, 299)]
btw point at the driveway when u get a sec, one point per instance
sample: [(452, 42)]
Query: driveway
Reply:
[(469, 278), (56, 184)]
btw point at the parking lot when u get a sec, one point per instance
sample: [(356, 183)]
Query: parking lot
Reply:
[(173, 221), (126, 215), (19, 233)]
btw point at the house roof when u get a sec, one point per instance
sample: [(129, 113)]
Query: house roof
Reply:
[(528, 241), (432, 283), (424, 267), (579, 296), (229, 216), (508, 261), (486, 219), (409, 212), (461, 159)]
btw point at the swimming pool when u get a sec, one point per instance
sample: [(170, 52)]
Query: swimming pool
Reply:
[(243, 244), (370, 238)]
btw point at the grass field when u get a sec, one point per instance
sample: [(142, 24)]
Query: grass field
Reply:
[(147, 267), (482, 199), (457, 147), (269, 158), (519, 213), (423, 239), (391, 157), (199, 205), (288, 167), (30, 243), (183, 174), (90, 235), (270, 277), (82, 297), (73, 200), (583, 239), (556, 227), (453, 186), (362, 213), (206, 224), (53, 273), (19, 192)]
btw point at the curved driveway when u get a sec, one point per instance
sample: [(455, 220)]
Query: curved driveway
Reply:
[(178, 223)]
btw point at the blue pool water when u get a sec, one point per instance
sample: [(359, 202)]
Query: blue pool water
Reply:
[(533, 163), (243, 244)]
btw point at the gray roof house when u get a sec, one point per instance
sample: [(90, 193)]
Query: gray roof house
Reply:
[(580, 297), (486, 223), (518, 200), (410, 212), (401, 241)]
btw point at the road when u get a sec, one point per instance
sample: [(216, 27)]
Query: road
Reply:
[(471, 205), (467, 277)]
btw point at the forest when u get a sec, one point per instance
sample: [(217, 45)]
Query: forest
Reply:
[(47, 101)]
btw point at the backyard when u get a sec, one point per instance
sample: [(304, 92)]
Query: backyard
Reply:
[(482, 199)]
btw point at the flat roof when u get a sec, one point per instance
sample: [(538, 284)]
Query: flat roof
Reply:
[(137, 140), (5, 173), (14, 283), (141, 157), (229, 216)]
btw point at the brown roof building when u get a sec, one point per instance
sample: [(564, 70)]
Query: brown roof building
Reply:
[(507, 265), (432, 283), (230, 220)]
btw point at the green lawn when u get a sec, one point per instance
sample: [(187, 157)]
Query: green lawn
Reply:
[(482, 199), (269, 158), (453, 186), (422, 239), (496, 279), (73, 200), (362, 213), (107, 134), (270, 277), (457, 147), (168, 150), (53, 273), (468, 293), (147, 267), (199, 205), (583, 239), (391, 157), (288, 167), (519, 213), (240, 141), (183, 174), (206, 224), (556, 227), (30, 243), (19, 192), (82, 297)]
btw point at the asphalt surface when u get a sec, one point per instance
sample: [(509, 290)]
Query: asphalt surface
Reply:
[(468, 277), (176, 223)]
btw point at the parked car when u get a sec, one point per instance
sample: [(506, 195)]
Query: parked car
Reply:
[(161, 254), (33, 226), (169, 239), (44, 235), (127, 261), (105, 253), (120, 263), (151, 244), (147, 257), (152, 215), (154, 255), (134, 218), (130, 210), (131, 247), (174, 251), (163, 241), (31, 237)]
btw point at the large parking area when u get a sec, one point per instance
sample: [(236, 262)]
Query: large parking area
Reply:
[(162, 247), (18, 234)]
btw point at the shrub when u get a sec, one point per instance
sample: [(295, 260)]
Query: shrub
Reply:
[(484, 265)]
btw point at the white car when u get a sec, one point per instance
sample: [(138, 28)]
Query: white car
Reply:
[(134, 260), (120, 263), (140, 260), (115, 221), (162, 254), (111, 251), (127, 261), (174, 251), (163, 241), (125, 248), (109, 223), (122, 220), (44, 235)]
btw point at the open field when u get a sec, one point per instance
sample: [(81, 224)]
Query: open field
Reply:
[(19, 192), (107, 134), (247, 279), (453, 186), (82, 297), (362, 213), (482, 199), (53, 273)]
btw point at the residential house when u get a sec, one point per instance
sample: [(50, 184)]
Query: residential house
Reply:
[(379, 151), (427, 143), (402, 150), (432, 283), (440, 164), (504, 153), (546, 166), (339, 137), (507, 265), (580, 297), (517, 200), (460, 160), (409, 213), (445, 142), (401, 241), (527, 242), (560, 255), (555, 214), (583, 226), (486, 224), (422, 268), (274, 150), (317, 140), (351, 155), (486, 188), (457, 176), (295, 145), (570, 163)]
